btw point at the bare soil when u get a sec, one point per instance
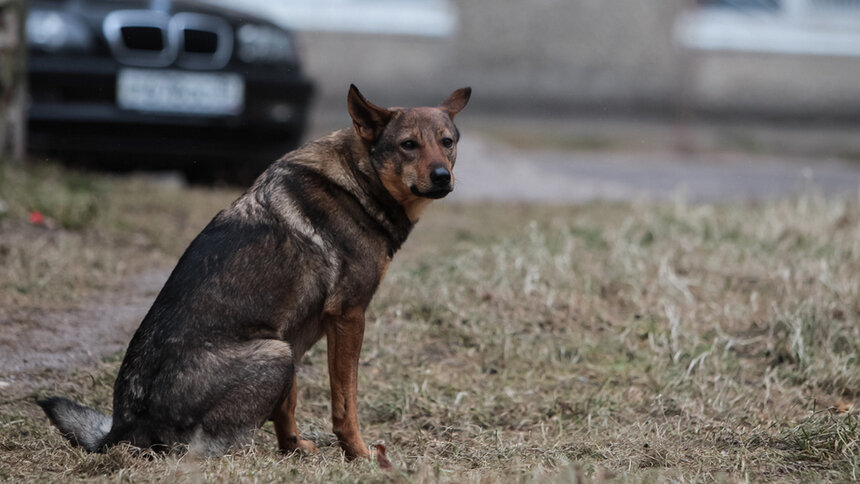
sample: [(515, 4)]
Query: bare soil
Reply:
[(39, 347)]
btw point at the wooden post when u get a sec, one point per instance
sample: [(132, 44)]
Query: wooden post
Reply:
[(13, 80)]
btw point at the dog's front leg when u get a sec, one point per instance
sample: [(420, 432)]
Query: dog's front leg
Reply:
[(344, 334), (286, 429)]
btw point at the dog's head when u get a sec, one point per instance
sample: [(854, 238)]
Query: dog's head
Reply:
[(413, 150)]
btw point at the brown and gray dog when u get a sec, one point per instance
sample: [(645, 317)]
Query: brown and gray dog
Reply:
[(298, 256)]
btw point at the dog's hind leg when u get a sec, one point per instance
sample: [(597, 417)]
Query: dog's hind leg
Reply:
[(212, 396), (286, 429), (256, 378)]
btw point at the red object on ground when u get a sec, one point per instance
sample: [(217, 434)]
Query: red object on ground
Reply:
[(36, 218), (384, 463)]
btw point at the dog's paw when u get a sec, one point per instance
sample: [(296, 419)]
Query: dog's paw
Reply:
[(306, 446), (303, 445)]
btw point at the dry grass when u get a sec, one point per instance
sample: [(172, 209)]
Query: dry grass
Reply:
[(630, 342), (97, 231)]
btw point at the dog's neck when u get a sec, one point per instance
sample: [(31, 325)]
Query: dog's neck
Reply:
[(379, 199), (348, 165)]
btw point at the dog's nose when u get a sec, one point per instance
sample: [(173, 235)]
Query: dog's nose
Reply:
[(440, 176)]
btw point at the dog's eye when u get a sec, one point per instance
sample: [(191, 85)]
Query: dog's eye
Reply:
[(447, 142), (409, 145)]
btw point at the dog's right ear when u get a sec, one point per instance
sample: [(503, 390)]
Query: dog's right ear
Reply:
[(457, 101), (369, 120)]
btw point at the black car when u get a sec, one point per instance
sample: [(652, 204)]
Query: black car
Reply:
[(163, 84)]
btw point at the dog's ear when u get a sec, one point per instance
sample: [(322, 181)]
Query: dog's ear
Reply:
[(369, 120), (457, 101)]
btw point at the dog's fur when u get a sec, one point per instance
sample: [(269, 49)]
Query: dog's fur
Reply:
[(298, 256)]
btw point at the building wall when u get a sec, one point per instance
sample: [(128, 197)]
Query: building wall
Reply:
[(577, 56), (586, 54), (777, 85), (543, 54)]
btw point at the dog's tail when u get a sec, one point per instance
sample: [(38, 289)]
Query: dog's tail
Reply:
[(81, 425)]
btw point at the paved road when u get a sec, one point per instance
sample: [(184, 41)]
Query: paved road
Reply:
[(490, 170)]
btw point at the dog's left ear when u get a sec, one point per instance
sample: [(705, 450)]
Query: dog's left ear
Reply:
[(457, 101), (369, 120)]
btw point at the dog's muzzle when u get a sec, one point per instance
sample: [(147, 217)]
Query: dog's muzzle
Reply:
[(434, 192), (440, 177), (440, 184)]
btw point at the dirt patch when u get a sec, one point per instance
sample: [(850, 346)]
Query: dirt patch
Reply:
[(37, 347)]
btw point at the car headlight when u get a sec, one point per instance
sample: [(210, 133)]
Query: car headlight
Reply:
[(258, 43), (55, 31)]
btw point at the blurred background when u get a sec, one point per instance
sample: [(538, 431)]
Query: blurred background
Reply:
[(766, 57), (675, 77)]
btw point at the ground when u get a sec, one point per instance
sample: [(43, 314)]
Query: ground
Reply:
[(668, 338)]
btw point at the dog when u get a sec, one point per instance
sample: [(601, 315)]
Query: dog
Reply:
[(297, 257)]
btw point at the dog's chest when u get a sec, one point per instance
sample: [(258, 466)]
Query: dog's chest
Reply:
[(350, 286)]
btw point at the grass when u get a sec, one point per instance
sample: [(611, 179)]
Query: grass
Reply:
[(97, 230), (646, 342)]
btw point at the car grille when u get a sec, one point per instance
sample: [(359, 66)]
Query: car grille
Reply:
[(200, 41), (142, 38), (148, 38)]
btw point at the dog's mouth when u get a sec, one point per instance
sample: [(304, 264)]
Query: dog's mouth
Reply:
[(434, 193)]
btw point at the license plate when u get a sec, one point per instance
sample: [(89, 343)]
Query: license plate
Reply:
[(180, 92)]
